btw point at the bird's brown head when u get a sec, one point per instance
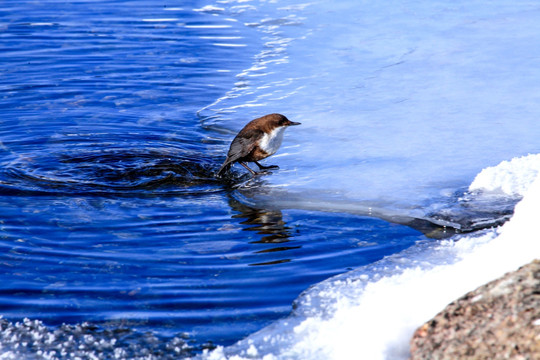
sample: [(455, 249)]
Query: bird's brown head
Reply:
[(274, 121)]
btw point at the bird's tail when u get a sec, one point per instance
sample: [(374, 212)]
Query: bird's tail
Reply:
[(225, 167)]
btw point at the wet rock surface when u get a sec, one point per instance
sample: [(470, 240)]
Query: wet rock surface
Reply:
[(499, 320)]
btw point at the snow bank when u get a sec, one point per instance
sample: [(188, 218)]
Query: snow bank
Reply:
[(511, 178)]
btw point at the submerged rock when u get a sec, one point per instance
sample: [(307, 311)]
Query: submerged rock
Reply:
[(499, 320)]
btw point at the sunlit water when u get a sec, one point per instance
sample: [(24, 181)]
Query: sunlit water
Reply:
[(116, 115)]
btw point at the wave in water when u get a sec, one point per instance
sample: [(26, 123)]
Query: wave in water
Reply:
[(120, 172)]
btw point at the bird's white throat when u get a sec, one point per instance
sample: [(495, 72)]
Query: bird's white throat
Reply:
[(270, 142)]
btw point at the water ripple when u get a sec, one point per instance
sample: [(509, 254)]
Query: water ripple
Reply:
[(115, 172)]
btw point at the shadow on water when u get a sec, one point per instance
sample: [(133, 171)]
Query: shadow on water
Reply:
[(268, 219), (462, 213)]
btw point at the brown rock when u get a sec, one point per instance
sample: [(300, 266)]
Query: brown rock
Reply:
[(499, 320)]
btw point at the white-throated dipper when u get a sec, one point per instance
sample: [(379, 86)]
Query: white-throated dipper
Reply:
[(259, 139)]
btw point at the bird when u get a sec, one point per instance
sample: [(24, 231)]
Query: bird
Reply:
[(259, 139)]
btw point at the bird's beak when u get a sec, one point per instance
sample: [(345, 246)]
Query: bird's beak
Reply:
[(294, 123)]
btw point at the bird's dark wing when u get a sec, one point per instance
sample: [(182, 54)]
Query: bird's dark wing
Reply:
[(241, 146)]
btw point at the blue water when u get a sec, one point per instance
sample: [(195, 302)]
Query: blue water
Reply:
[(109, 210)]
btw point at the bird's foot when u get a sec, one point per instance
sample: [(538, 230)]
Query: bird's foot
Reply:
[(263, 172), (268, 167)]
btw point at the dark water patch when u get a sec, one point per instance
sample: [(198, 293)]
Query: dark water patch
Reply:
[(119, 173)]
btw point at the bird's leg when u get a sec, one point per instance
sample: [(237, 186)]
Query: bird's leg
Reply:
[(266, 167), (247, 167)]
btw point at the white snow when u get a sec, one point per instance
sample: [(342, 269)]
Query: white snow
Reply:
[(511, 178)]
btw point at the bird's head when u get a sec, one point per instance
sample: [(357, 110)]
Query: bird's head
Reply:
[(278, 120)]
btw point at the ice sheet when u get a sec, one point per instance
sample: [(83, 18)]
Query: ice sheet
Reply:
[(401, 104)]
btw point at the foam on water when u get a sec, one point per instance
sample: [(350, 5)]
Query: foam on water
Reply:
[(371, 313)]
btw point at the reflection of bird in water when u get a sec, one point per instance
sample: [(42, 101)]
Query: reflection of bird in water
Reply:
[(265, 222), (259, 139), (269, 223)]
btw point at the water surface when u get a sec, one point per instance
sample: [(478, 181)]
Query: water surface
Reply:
[(112, 222)]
